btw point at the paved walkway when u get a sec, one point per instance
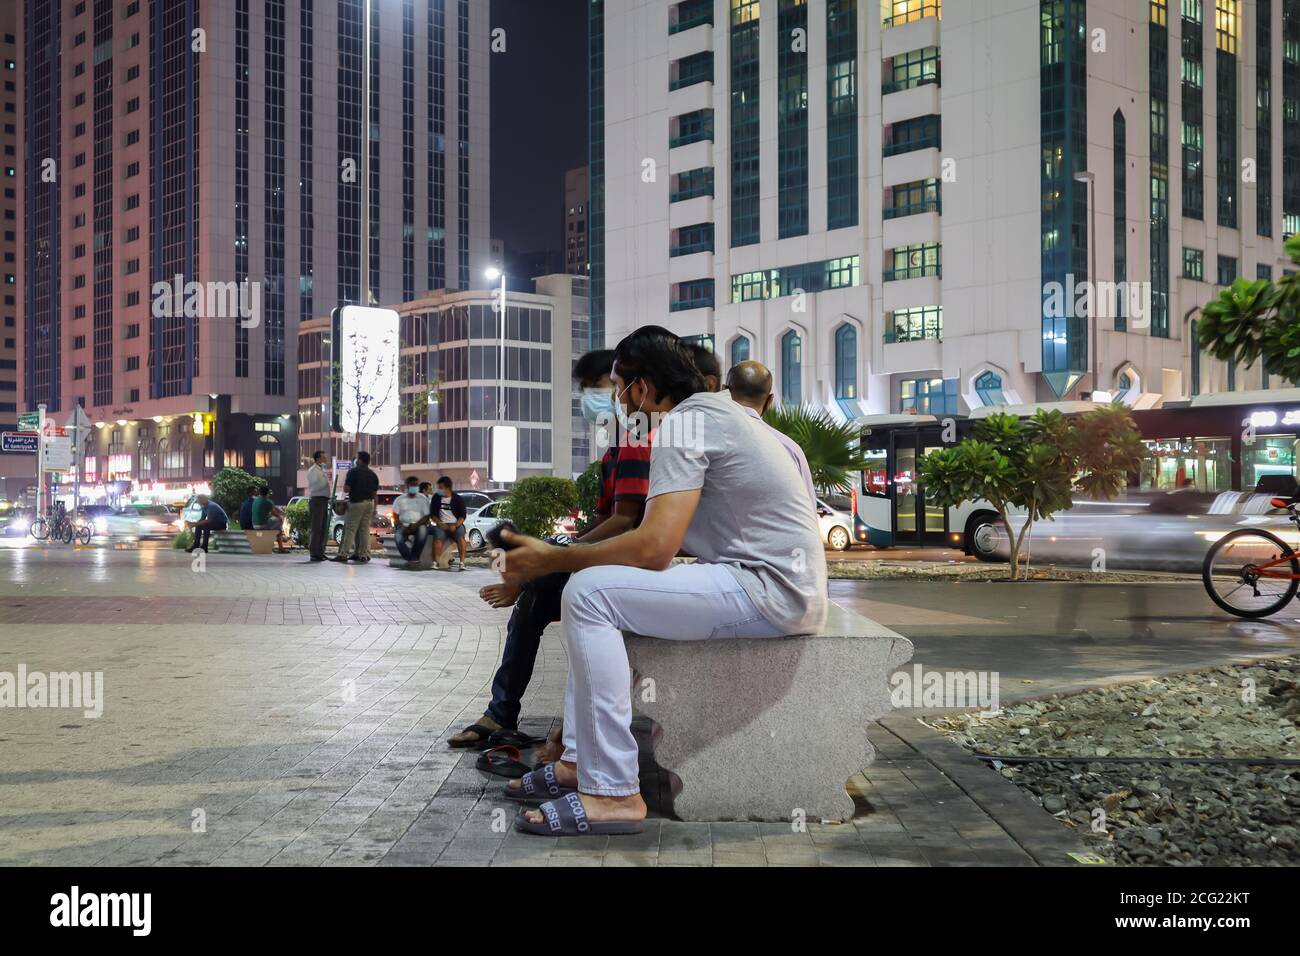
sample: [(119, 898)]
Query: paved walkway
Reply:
[(265, 710)]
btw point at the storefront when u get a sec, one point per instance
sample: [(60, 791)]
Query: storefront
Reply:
[(1221, 442)]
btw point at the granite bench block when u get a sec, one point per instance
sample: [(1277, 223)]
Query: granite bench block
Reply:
[(765, 729)]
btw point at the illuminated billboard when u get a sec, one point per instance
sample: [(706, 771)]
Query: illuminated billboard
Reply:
[(367, 390)]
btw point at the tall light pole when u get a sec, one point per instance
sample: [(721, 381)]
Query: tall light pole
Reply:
[(492, 273), (1090, 179)]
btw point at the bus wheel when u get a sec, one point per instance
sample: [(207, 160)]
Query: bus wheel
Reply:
[(982, 537)]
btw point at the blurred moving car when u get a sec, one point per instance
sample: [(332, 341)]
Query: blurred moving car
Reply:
[(1148, 530), (836, 526), (15, 522), (140, 522)]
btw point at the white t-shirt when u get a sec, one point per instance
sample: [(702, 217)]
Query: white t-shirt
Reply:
[(410, 508)]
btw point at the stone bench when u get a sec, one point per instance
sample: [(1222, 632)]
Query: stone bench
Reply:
[(243, 542), (763, 729), (395, 559)]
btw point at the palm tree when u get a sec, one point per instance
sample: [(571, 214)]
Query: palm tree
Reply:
[(832, 449), (1257, 320)]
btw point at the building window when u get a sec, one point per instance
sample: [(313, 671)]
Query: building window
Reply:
[(744, 141), (907, 70), (928, 396), (740, 350), (988, 386), (922, 132), (895, 13), (910, 199), (914, 262), (791, 368), (846, 362), (1119, 159), (1194, 357), (1227, 269), (1193, 264), (692, 184), (1264, 117), (915, 324), (841, 114), (1193, 118), (791, 121)]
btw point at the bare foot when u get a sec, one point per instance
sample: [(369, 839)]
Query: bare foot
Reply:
[(566, 774), (600, 809), (499, 595), (552, 750)]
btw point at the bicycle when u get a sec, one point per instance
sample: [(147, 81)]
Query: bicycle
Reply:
[(59, 526), (1252, 572)]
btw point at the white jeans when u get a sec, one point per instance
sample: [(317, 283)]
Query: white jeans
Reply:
[(688, 602)]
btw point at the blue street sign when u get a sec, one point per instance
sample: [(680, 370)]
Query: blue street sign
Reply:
[(18, 441)]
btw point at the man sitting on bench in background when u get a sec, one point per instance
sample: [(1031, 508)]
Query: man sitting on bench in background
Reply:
[(750, 385)]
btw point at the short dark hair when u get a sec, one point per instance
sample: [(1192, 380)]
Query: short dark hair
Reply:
[(266, 491), (593, 366), (317, 454), (254, 489), (363, 457), (412, 478), (658, 356), (446, 480), (705, 360)]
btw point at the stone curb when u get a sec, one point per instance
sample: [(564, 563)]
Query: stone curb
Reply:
[(1038, 833)]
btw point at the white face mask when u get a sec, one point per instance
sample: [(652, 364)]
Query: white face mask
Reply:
[(624, 419)]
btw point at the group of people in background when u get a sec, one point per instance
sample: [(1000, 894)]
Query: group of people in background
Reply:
[(419, 512)]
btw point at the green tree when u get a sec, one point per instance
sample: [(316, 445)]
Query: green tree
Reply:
[(537, 502), (1035, 465), (1257, 320), (230, 488), (832, 449)]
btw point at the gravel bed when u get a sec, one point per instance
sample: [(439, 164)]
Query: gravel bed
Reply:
[(1161, 813)]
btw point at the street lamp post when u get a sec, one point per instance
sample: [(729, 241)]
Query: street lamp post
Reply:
[(493, 274), (1090, 179)]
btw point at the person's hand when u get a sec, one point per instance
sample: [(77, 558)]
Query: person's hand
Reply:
[(529, 559)]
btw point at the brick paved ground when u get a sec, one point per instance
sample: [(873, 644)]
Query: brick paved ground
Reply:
[(265, 710)]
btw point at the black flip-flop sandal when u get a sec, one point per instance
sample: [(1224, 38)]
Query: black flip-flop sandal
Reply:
[(485, 735), (503, 761), (510, 737)]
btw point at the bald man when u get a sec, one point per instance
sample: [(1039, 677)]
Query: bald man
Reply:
[(750, 384)]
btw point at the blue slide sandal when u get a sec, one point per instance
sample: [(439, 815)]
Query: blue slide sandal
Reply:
[(568, 817), (538, 786)]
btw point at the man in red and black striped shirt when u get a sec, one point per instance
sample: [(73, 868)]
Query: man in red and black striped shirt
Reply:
[(625, 479)]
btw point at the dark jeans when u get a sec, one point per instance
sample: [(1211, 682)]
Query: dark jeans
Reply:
[(411, 546), (538, 606), (203, 532), (318, 512)]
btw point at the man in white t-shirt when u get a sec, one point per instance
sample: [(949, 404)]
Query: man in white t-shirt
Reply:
[(411, 514)]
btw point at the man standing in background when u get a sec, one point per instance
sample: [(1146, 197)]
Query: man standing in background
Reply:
[(318, 493), (360, 486)]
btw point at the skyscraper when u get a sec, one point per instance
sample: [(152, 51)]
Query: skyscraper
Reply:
[(15, 469), (890, 203), (201, 177)]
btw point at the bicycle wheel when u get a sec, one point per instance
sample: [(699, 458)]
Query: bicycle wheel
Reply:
[(1234, 579), (39, 529), (84, 533), (66, 532)]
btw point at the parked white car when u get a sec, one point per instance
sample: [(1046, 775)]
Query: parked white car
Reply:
[(836, 526), (478, 522)]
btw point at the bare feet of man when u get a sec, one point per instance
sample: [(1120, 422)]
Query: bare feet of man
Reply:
[(499, 595)]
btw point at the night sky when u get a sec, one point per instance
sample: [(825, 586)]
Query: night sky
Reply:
[(539, 117)]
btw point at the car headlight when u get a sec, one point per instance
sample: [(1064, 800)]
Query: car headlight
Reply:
[(21, 524), (101, 525)]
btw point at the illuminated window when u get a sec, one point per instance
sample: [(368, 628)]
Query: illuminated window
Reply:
[(1227, 19)]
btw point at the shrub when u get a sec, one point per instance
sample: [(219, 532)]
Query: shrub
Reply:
[(230, 488), (588, 485), (183, 541), (298, 515), (537, 502)]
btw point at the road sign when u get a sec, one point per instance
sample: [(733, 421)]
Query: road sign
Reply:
[(473, 478), (29, 421), (18, 442), (54, 431), (58, 453)]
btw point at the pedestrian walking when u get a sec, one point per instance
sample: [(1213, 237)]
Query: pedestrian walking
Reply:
[(360, 486)]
